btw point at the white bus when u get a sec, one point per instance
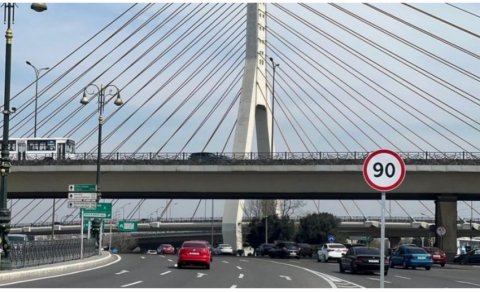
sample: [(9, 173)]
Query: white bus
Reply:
[(41, 148), (466, 244)]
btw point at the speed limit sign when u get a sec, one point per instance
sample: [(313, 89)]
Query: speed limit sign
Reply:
[(384, 170)]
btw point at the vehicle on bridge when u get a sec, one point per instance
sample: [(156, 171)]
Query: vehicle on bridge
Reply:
[(331, 251), (165, 248), (207, 157), (411, 256), (438, 256), (223, 248), (194, 252), (285, 250), (362, 259), (471, 257), (41, 148)]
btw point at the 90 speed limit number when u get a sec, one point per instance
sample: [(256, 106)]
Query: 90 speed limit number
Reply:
[(384, 170)]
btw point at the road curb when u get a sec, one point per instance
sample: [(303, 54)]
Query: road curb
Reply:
[(56, 269)]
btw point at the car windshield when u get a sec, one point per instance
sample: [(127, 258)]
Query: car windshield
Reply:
[(415, 250), (367, 251), (167, 245), (194, 244)]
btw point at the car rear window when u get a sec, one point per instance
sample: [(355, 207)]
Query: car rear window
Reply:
[(415, 250), (336, 246), (194, 244), (367, 251)]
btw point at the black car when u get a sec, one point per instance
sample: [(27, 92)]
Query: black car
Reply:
[(471, 257), (305, 250), (207, 157), (362, 258), (285, 250), (264, 249)]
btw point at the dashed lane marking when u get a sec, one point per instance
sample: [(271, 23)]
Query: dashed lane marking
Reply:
[(225, 262), (245, 261), (286, 277), (240, 276), (406, 278), (468, 283), (122, 272), (378, 279), (164, 273), (131, 284), (233, 286), (239, 267)]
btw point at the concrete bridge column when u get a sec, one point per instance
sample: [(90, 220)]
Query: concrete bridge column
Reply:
[(446, 216)]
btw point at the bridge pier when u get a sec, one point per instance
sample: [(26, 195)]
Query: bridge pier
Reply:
[(446, 216)]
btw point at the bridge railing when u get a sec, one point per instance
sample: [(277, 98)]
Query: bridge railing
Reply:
[(255, 158), (34, 253)]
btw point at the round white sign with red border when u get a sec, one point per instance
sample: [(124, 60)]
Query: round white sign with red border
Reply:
[(384, 170)]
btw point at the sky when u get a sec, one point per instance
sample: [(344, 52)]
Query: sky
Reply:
[(46, 38)]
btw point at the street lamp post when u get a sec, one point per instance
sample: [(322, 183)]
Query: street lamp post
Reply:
[(274, 66), (37, 75), (9, 10), (101, 93)]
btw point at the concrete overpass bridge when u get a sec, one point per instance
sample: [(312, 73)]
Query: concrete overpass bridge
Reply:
[(444, 178)]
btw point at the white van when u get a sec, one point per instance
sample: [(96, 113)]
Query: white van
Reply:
[(17, 238)]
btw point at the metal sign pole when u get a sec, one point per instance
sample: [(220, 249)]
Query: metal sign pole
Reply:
[(81, 234), (382, 244), (100, 237), (110, 238)]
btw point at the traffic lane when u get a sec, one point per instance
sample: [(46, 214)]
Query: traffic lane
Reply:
[(154, 271), (452, 276)]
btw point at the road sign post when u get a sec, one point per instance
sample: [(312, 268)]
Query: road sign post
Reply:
[(383, 170)]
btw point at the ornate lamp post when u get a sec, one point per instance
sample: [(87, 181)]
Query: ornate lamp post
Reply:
[(101, 92), (9, 11), (37, 75)]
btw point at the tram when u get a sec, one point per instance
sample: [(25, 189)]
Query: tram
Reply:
[(41, 148)]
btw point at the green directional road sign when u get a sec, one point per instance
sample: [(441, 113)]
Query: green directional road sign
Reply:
[(82, 188), (127, 226), (103, 211)]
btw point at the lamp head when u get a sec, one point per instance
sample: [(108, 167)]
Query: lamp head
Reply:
[(84, 99), (118, 101), (39, 7), (28, 63)]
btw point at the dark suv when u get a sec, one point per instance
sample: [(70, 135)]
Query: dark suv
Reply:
[(264, 249), (305, 250), (285, 250)]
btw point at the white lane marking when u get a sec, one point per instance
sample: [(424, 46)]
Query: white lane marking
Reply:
[(378, 279), (245, 261), (119, 258), (142, 257), (122, 272), (170, 260), (225, 262), (239, 267), (164, 273), (233, 286), (199, 275), (406, 278), (240, 276), (331, 280), (131, 284), (286, 277), (469, 283)]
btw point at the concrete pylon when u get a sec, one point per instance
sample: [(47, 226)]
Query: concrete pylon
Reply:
[(253, 113)]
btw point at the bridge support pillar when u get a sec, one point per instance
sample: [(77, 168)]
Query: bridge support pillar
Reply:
[(446, 216)]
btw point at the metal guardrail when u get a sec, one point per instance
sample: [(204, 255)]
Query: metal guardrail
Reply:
[(34, 253), (254, 158)]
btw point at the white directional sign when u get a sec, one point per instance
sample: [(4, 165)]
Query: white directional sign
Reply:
[(82, 204), (384, 170), (82, 196)]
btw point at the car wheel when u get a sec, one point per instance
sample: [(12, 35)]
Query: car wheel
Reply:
[(391, 264), (207, 266), (179, 266), (442, 265), (342, 270), (318, 258), (404, 265), (385, 272), (353, 270), (428, 268)]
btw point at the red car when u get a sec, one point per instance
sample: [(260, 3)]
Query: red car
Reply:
[(438, 255), (165, 249), (194, 252)]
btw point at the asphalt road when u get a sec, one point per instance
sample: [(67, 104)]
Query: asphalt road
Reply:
[(158, 271)]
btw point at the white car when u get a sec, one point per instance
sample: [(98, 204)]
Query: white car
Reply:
[(224, 248), (331, 251)]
